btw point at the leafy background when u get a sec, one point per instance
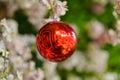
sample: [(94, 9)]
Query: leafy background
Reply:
[(79, 13)]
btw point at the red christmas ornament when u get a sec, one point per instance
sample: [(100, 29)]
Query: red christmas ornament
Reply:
[(56, 41)]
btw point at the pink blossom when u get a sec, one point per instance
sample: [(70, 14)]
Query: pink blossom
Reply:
[(60, 8), (36, 75), (112, 37), (97, 8), (57, 7)]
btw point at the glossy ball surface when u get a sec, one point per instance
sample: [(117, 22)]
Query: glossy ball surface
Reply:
[(56, 41)]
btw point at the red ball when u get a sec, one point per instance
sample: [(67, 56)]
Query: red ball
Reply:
[(56, 41)]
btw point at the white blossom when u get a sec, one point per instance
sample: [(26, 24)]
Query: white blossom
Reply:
[(49, 68), (22, 67), (60, 8), (31, 65), (96, 29), (117, 6), (77, 61), (97, 61), (6, 30), (3, 79), (17, 62), (110, 76), (23, 49), (2, 45), (13, 26), (10, 77), (25, 3), (73, 77), (47, 3), (57, 7), (36, 75), (112, 37), (115, 14), (36, 14), (19, 75), (2, 64)]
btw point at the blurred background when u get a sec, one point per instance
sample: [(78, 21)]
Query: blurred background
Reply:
[(97, 56)]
